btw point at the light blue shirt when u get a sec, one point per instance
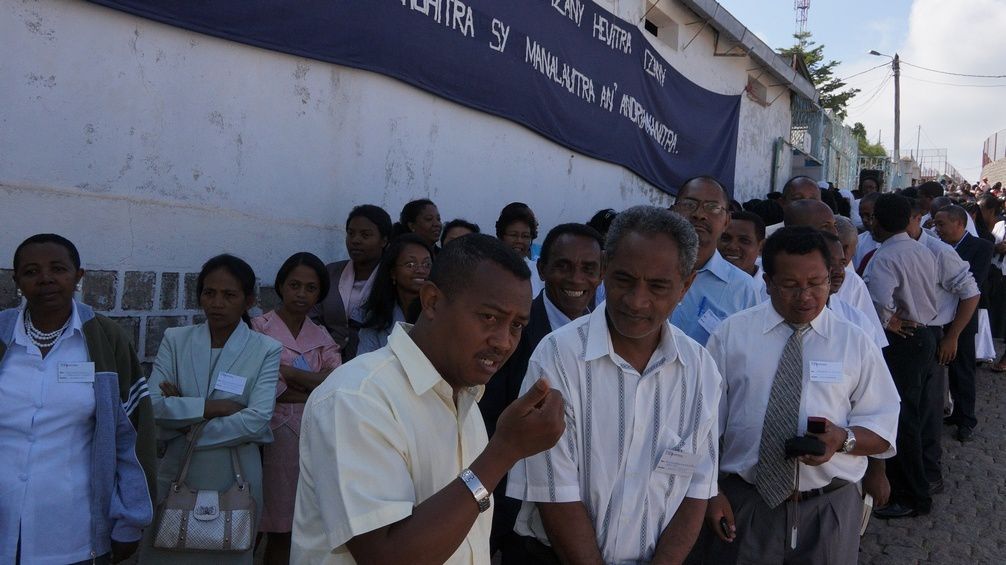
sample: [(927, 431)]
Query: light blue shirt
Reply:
[(372, 339), (720, 290), (46, 431)]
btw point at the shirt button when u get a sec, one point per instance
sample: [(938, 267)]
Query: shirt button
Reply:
[(31, 438), (23, 477), (38, 404)]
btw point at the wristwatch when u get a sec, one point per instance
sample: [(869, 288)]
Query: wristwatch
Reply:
[(478, 491), (850, 441)]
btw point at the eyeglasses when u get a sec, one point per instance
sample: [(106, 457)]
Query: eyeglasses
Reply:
[(689, 205), (414, 266), (518, 235), (789, 291)]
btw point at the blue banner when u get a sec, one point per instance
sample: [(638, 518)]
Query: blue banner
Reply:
[(567, 69)]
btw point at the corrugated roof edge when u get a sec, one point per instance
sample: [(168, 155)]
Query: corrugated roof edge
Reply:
[(727, 24)]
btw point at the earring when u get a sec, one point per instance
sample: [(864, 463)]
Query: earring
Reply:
[(19, 294), (79, 286)]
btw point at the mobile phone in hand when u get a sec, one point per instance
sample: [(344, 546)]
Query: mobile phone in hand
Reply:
[(816, 425)]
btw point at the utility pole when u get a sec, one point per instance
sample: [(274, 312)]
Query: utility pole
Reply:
[(897, 110), (918, 138)]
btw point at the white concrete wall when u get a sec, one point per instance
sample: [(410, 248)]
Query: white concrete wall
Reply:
[(154, 148)]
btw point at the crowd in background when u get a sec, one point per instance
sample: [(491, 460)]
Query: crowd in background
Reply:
[(92, 446)]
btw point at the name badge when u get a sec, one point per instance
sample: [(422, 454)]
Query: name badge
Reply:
[(232, 384), (709, 321), (826, 371), (677, 463), (76, 373)]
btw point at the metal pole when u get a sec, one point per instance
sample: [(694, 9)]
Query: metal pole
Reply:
[(918, 138)]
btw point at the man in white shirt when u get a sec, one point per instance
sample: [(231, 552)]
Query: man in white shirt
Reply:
[(629, 479), (866, 245), (853, 291), (843, 308), (797, 188), (395, 464), (823, 367)]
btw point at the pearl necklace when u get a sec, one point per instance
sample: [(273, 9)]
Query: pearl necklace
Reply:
[(42, 340)]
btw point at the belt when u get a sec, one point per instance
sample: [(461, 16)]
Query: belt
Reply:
[(803, 495), (834, 485)]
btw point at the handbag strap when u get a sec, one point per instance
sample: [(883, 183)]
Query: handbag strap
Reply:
[(190, 449), (184, 471)]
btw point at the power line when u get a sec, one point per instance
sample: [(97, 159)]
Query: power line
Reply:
[(904, 62), (873, 95), (955, 83), (864, 72)]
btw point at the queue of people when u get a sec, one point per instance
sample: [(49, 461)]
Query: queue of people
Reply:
[(709, 383)]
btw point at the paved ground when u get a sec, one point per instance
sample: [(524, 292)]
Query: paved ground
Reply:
[(966, 525)]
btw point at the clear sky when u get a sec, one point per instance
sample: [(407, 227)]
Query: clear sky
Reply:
[(961, 36)]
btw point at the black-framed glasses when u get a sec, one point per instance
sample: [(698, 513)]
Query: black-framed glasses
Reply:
[(793, 291)]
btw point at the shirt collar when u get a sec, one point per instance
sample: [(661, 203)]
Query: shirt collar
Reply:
[(773, 319), (310, 337), (903, 236), (718, 266), (599, 339), (556, 318), (418, 368)]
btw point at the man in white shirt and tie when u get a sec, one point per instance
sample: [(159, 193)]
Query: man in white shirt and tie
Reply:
[(785, 362)]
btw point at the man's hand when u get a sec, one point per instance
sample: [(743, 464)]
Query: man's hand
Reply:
[(221, 408), (719, 509), (123, 550), (169, 389), (833, 439), (532, 423), (947, 349), (903, 328), (875, 483)]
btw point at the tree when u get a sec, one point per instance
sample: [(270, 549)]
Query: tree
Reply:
[(867, 149), (830, 88)]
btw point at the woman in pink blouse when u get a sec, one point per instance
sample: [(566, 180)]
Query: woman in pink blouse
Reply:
[(309, 355)]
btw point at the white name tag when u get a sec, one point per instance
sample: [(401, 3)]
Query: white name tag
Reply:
[(76, 372), (677, 463), (709, 321), (233, 384), (826, 371)]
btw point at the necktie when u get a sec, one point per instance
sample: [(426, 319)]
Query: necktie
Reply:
[(775, 473)]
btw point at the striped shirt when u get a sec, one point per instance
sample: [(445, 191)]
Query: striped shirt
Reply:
[(635, 444)]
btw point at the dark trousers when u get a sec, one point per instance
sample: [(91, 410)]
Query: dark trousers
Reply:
[(526, 550), (932, 416), (908, 359), (962, 376)]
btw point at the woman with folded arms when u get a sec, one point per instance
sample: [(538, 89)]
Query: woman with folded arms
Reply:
[(221, 374)]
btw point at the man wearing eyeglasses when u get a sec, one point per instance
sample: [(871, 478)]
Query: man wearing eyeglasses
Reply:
[(720, 289), (783, 362)]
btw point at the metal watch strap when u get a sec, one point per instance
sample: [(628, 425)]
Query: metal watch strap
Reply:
[(478, 491), (850, 441)]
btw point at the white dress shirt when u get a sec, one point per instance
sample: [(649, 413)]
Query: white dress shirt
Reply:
[(954, 280), (865, 245), (999, 233), (556, 319), (379, 436), (854, 293), (871, 327), (537, 285), (46, 434), (758, 282), (620, 424), (747, 348)]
